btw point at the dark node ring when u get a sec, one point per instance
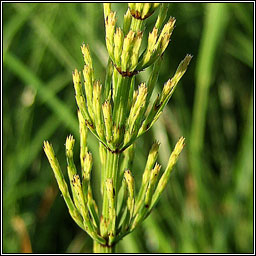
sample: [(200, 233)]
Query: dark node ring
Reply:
[(116, 151), (126, 73), (136, 14)]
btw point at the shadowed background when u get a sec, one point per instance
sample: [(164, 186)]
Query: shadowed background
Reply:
[(208, 203)]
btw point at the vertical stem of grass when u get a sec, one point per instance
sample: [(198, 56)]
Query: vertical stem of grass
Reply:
[(215, 25)]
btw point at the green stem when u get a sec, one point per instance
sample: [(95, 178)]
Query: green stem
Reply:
[(110, 172), (99, 248), (136, 25)]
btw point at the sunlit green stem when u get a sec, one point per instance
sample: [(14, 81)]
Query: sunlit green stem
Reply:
[(99, 248), (110, 172)]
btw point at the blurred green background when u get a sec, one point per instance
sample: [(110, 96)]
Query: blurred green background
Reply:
[(208, 203)]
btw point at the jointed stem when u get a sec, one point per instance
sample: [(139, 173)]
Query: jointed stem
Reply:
[(110, 172), (99, 248)]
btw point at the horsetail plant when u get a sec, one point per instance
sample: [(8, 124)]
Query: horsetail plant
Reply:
[(117, 113)]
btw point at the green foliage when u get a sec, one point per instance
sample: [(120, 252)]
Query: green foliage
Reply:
[(208, 205)]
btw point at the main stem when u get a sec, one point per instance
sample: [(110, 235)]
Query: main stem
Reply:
[(110, 170), (110, 167), (99, 248), (107, 226)]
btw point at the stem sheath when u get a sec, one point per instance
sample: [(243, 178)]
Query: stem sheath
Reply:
[(99, 248)]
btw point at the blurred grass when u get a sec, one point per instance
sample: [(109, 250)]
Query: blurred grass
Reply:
[(208, 205)]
